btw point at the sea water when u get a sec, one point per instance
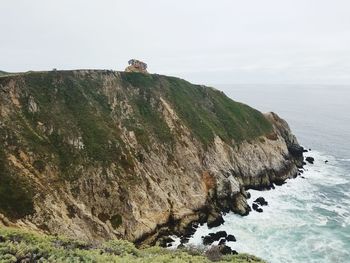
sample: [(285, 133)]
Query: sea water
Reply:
[(308, 218)]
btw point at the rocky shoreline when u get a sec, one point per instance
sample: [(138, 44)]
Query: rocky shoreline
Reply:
[(216, 206), (212, 213), (213, 218), (132, 156)]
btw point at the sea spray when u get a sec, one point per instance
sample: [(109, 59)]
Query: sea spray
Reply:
[(307, 219)]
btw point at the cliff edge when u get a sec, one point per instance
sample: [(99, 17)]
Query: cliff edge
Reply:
[(100, 154)]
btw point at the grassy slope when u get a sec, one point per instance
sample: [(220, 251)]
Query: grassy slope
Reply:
[(17, 245), (4, 73), (206, 111), (75, 106)]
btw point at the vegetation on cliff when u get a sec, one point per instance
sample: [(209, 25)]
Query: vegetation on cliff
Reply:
[(205, 110), (67, 120), (24, 246), (100, 155)]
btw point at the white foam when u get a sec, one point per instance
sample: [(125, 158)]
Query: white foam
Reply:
[(302, 223)]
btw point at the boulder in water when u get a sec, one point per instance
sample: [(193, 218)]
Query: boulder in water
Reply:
[(257, 208), (231, 238), (310, 159), (261, 201), (207, 240)]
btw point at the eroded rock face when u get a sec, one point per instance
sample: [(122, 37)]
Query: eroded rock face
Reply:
[(110, 180)]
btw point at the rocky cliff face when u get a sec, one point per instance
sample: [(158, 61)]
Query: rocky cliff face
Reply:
[(102, 154)]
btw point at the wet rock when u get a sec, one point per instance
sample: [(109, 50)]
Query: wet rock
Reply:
[(218, 235), (261, 201), (310, 159), (215, 220), (226, 250), (184, 240), (296, 150), (165, 241), (222, 241), (231, 238), (279, 183), (209, 239), (189, 230), (257, 208), (240, 205)]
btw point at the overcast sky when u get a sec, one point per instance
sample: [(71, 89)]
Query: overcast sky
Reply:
[(221, 41)]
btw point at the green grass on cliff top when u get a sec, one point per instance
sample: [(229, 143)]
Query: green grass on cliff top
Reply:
[(25, 246), (206, 111)]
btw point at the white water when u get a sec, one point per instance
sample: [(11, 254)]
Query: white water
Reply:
[(306, 220)]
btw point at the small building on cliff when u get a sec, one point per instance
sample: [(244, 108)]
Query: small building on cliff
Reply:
[(136, 66)]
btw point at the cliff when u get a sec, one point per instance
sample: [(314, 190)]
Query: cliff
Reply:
[(100, 154)]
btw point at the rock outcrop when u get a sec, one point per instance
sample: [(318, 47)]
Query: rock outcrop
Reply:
[(102, 154), (136, 66)]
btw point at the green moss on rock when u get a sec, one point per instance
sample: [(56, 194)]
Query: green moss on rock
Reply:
[(116, 220), (16, 193)]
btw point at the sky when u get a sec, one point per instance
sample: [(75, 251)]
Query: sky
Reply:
[(221, 41)]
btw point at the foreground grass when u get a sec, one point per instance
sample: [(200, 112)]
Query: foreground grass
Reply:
[(25, 246)]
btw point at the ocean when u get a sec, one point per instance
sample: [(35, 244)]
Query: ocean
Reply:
[(308, 218)]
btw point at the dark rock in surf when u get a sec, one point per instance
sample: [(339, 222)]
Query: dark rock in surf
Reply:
[(214, 221), (165, 241), (209, 239), (261, 201), (257, 208), (222, 241), (231, 238), (184, 239), (310, 159)]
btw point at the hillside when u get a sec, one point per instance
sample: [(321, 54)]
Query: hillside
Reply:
[(26, 246), (102, 154)]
